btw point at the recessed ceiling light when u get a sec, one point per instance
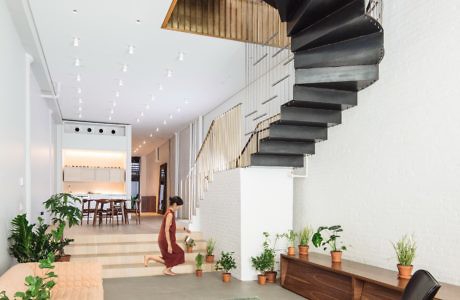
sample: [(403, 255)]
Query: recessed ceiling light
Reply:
[(138, 120), (147, 106), (138, 21), (140, 146), (79, 90), (79, 108), (142, 114), (151, 135), (76, 42), (153, 98), (112, 111), (178, 109), (80, 100), (77, 62), (160, 87), (110, 118), (79, 116), (181, 56), (78, 77), (143, 142), (158, 129), (125, 68), (114, 103), (120, 82), (75, 11), (170, 116), (117, 94), (131, 49), (169, 73), (164, 122)]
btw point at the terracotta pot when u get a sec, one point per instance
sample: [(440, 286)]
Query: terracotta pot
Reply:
[(271, 276), (65, 258), (226, 277), (199, 273), (303, 250), (262, 279), (405, 272), (336, 256), (210, 259), (291, 251), (189, 249)]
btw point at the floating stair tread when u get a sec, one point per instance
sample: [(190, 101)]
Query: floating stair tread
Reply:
[(277, 160), (337, 74)]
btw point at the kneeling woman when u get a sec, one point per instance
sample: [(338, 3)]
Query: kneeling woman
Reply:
[(171, 254)]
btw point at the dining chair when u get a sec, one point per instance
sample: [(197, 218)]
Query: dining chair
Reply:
[(421, 286), (116, 209), (134, 209), (103, 209), (86, 210)]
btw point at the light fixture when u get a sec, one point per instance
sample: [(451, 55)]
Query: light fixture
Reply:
[(114, 103), (160, 87), (169, 73), (78, 77), (164, 122), (120, 82), (79, 116), (181, 56), (76, 42), (112, 111), (75, 11), (151, 135), (138, 21), (131, 49), (110, 118), (143, 142), (77, 62), (79, 90), (153, 98), (178, 109), (171, 116), (125, 68), (158, 129), (117, 94), (80, 100), (147, 107), (138, 120), (140, 146), (79, 108), (142, 114)]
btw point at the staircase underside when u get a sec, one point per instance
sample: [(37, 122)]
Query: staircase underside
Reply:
[(337, 50)]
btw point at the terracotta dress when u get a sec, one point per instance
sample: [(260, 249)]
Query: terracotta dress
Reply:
[(177, 256)]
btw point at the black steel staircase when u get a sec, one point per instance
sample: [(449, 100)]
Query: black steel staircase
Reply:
[(337, 48)]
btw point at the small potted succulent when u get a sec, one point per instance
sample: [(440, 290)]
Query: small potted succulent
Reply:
[(336, 250), (304, 239), (262, 263), (189, 244), (199, 265), (291, 236), (210, 245), (226, 263), (405, 251), (271, 253)]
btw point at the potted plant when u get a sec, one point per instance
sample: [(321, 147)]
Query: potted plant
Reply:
[(262, 263), (271, 254), (34, 242), (199, 265), (336, 251), (64, 211), (304, 239), (405, 251), (226, 263), (291, 236), (189, 244), (210, 245)]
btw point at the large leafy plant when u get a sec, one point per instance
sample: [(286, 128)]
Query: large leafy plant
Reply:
[(226, 263), (270, 248), (38, 288), (263, 262), (332, 239), (405, 250), (33, 242)]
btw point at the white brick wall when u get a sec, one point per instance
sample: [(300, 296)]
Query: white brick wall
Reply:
[(393, 166)]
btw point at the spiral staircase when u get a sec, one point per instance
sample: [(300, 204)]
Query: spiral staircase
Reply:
[(337, 45)]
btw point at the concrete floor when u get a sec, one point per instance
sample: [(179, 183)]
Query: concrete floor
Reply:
[(190, 287)]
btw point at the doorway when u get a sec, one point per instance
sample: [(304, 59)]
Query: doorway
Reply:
[(163, 189)]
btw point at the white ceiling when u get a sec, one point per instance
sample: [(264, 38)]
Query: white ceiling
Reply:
[(212, 69)]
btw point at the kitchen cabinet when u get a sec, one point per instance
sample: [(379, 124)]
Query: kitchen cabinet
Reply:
[(78, 174)]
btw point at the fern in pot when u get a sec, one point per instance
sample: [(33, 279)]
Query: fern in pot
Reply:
[(304, 239), (405, 252)]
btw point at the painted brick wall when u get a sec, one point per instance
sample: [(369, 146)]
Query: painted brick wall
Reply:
[(393, 166)]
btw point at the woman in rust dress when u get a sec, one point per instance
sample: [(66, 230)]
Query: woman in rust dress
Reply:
[(171, 254)]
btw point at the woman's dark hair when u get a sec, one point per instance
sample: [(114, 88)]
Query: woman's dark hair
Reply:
[(176, 199)]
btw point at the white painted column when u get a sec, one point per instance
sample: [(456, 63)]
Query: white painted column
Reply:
[(28, 170)]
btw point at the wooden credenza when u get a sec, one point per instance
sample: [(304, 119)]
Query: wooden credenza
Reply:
[(315, 277)]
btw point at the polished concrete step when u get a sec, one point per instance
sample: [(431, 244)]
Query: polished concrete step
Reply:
[(154, 269), (126, 258), (123, 247), (126, 238)]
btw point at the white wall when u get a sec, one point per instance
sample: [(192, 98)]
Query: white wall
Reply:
[(240, 205), (12, 123), (393, 166)]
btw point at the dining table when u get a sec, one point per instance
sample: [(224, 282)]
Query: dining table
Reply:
[(114, 206)]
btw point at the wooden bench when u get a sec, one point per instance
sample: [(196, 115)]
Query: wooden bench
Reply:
[(315, 277)]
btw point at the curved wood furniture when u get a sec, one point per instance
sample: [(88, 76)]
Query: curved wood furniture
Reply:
[(316, 278)]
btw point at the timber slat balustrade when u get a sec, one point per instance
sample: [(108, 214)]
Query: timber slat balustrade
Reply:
[(251, 21), (316, 278)]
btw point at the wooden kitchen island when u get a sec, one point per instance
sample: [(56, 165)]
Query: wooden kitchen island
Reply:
[(315, 277)]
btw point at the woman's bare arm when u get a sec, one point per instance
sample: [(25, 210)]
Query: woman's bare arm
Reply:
[(167, 226)]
